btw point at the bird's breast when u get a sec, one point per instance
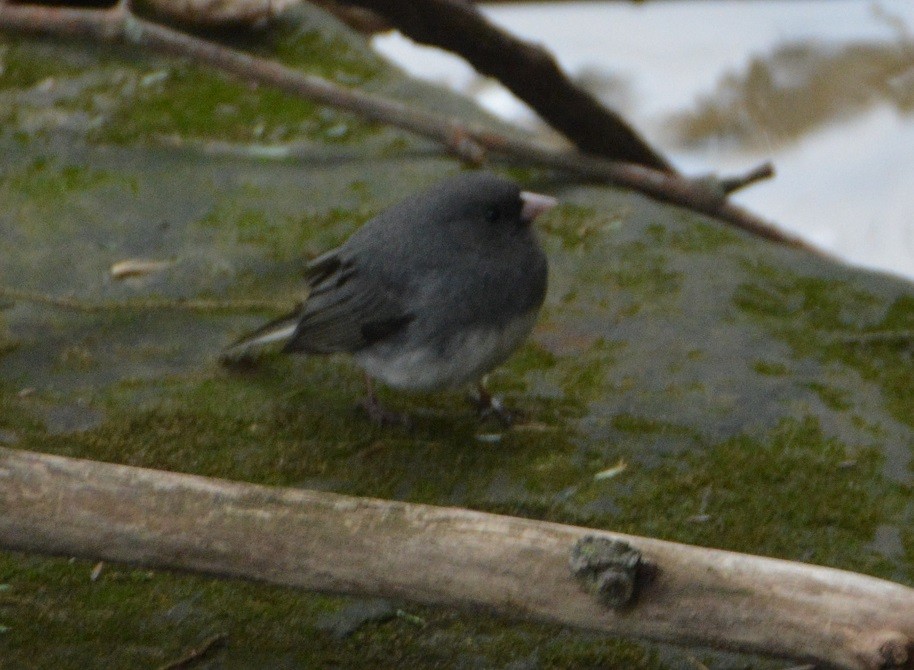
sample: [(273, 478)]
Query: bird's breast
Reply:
[(454, 358)]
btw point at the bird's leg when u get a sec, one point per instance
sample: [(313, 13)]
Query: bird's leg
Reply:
[(488, 405), (376, 412)]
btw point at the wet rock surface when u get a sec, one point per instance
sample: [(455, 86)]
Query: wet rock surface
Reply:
[(760, 397)]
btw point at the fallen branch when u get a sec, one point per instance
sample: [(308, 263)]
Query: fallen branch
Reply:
[(472, 144), (520, 568)]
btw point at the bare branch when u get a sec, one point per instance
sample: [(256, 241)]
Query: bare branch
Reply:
[(472, 144), (520, 568), (216, 13), (528, 70), (760, 173), (116, 25)]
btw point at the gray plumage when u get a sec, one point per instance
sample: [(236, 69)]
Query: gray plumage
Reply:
[(433, 292)]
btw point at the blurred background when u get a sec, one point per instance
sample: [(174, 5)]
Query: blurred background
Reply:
[(822, 88)]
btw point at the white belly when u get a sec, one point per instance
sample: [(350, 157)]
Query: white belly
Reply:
[(466, 358)]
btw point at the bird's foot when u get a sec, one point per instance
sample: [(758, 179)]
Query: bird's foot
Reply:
[(243, 362), (382, 416), (488, 405), (377, 413), (497, 410)]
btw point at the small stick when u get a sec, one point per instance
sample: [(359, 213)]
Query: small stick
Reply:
[(759, 173), (470, 143), (198, 653), (196, 305)]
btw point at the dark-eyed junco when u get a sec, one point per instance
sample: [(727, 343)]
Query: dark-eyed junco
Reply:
[(431, 293)]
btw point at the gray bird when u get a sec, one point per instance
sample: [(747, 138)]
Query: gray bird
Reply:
[(432, 293)]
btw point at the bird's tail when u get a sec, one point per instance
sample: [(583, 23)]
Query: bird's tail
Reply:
[(279, 330)]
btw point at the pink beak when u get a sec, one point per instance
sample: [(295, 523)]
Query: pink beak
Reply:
[(535, 204)]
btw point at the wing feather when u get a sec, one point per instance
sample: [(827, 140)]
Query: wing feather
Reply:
[(344, 311)]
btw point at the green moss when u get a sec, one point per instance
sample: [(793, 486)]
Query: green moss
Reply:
[(45, 179), (583, 378), (770, 369), (693, 236), (890, 368), (800, 302), (626, 365), (639, 268), (820, 318), (807, 479), (27, 63), (579, 227), (287, 422), (766, 301), (115, 99), (282, 238), (629, 423), (900, 315), (328, 56), (532, 357), (835, 399), (76, 357), (193, 103), (8, 345)]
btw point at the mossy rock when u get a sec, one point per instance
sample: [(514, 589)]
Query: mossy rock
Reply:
[(761, 397)]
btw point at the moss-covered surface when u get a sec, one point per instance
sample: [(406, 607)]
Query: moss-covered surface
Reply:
[(760, 397)]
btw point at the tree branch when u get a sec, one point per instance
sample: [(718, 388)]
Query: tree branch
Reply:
[(120, 25), (519, 568), (471, 143), (527, 69)]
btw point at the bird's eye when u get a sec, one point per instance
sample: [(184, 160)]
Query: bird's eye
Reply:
[(493, 214)]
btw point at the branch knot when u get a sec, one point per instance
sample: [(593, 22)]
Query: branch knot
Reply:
[(610, 569)]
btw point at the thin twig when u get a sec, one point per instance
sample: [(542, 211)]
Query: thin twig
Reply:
[(120, 25), (760, 173), (179, 304), (470, 143), (198, 653), (693, 194)]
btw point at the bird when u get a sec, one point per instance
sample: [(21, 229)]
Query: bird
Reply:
[(432, 293)]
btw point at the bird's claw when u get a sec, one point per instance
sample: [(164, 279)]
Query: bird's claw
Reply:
[(380, 415), (488, 406)]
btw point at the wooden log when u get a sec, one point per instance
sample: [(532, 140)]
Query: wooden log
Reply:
[(520, 568)]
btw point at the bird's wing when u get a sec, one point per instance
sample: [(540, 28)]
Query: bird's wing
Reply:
[(343, 312), (320, 268), (345, 309)]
